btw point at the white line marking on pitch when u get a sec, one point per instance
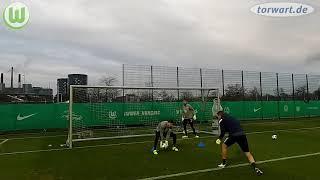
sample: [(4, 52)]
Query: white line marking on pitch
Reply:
[(283, 130), (277, 130), (82, 147), (255, 132), (4, 141), (228, 167)]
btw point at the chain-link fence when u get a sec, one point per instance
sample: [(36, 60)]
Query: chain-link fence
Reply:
[(234, 85), (290, 93)]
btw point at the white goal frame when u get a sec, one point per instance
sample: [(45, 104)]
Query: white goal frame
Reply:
[(70, 139)]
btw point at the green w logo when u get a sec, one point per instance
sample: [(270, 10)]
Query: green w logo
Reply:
[(16, 15), (19, 16)]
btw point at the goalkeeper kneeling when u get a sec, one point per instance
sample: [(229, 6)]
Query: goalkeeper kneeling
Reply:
[(164, 131)]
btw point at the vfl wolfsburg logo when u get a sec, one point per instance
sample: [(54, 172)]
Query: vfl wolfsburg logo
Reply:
[(112, 114), (16, 15)]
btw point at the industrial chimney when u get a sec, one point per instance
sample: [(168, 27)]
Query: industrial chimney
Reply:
[(11, 77), (2, 85), (19, 81)]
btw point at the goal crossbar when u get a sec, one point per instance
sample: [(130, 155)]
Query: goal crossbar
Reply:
[(146, 88)]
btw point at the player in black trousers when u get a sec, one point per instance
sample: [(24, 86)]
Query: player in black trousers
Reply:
[(188, 117), (236, 135)]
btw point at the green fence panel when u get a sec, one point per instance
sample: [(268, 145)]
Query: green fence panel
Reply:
[(313, 108), (234, 108), (7, 118), (47, 116), (270, 110), (252, 110), (112, 114), (286, 109), (32, 116)]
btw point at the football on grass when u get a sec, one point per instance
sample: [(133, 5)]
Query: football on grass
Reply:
[(274, 137), (164, 145)]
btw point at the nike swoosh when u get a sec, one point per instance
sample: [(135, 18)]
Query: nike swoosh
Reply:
[(255, 110), (20, 118)]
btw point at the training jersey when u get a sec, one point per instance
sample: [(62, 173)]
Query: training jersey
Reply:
[(231, 125), (188, 111), (164, 130)]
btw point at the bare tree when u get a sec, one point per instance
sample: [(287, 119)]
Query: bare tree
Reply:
[(110, 94), (316, 94), (301, 93), (108, 80), (234, 92), (163, 95), (253, 94)]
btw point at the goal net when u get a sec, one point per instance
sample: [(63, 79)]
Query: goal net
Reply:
[(108, 112)]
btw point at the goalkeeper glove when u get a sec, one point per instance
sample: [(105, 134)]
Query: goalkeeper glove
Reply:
[(182, 118), (218, 141), (194, 117)]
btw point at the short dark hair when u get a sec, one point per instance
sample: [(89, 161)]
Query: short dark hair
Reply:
[(171, 121), (220, 113)]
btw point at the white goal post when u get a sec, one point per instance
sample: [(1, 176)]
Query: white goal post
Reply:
[(107, 112)]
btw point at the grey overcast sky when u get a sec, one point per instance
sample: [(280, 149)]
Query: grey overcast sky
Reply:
[(97, 36)]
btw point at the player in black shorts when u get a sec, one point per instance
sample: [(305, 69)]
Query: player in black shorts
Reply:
[(236, 135)]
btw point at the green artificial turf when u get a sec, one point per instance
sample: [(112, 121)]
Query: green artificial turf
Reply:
[(28, 157)]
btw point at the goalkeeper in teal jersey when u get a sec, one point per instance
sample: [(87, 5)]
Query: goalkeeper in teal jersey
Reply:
[(163, 132), (188, 117)]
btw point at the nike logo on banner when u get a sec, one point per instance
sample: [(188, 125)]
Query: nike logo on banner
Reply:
[(255, 110), (20, 118)]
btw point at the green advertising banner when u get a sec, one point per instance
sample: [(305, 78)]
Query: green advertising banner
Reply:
[(110, 114), (248, 110), (47, 116), (32, 116)]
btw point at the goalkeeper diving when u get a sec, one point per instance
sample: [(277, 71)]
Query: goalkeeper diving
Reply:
[(164, 132)]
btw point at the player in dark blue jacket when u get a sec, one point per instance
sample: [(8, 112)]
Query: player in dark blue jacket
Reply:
[(230, 125)]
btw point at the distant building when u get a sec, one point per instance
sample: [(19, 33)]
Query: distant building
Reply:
[(42, 91), (2, 85), (24, 93), (62, 89), (77, 79), (62, 86), (64, 83), (27, 88)]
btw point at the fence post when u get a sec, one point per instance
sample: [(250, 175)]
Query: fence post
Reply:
[(244, 108), (201, 80), (151, 76), (278, 93), (222, 76), (261, 100), (123, 93), (178, 82), (242, 86), (307, 80), (201, 84), (293, 97)]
